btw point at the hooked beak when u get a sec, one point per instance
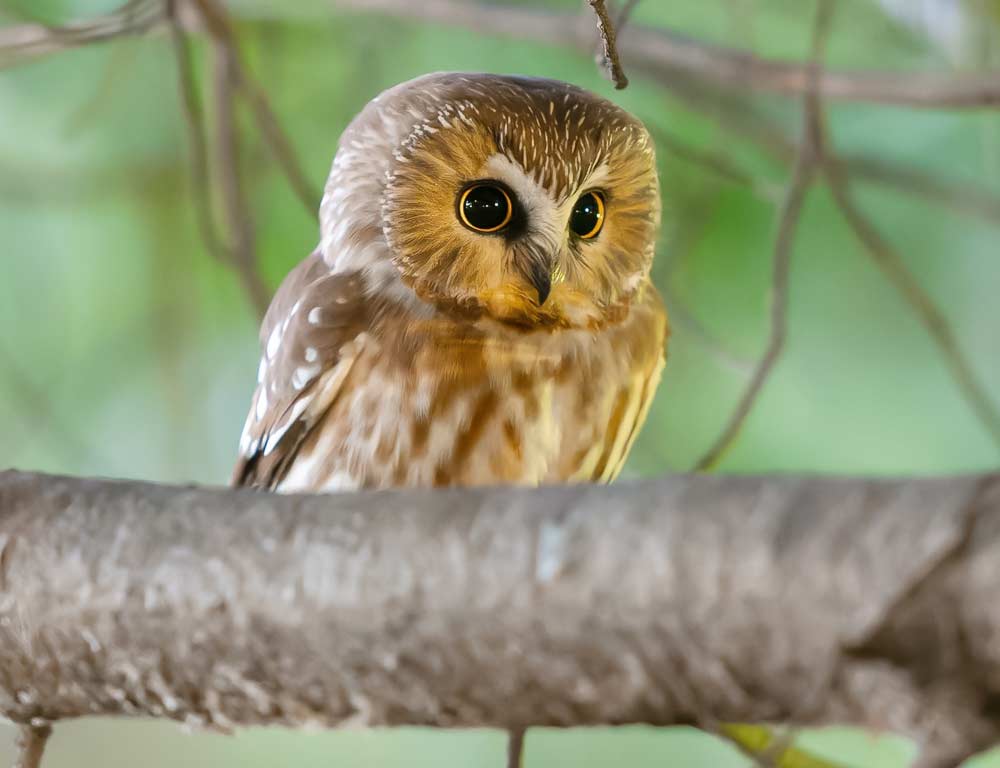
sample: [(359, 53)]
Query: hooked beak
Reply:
[(541, 278)]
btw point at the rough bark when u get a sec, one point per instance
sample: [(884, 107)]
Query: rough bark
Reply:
[(687, 599)]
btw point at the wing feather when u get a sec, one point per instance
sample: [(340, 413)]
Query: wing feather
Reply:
[(309, 340)]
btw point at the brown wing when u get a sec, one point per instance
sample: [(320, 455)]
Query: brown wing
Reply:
[(307, 340)]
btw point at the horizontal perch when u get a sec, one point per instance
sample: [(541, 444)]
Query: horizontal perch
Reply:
[(687, 599)]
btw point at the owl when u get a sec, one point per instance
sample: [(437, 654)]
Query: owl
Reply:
[(479, 308)]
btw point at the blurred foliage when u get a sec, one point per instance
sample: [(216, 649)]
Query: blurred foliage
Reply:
[(126, 350)]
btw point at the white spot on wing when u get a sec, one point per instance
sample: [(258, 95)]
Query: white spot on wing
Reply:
[(314, 316), (303, 375), (273, 342)]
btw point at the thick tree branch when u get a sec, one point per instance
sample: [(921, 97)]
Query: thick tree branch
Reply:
[(681, 600), (666, 55)]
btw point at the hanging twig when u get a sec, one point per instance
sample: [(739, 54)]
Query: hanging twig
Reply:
[(238, 252), (194, 120), (515, 748), (235, 209), (803, 173), (217, 22), (610, 58), (892, 265), (31, 745)]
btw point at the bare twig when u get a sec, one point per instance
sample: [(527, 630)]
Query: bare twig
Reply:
[(667, 55), (238, 252), (515, 748), (278, 142), (892, 265), (242, 248), (31, 745), (661, 53), (802, 176), (23, 42), (194, 120), (731, 112), (624, 14), (716, 163), (610, 58), (217, 22)]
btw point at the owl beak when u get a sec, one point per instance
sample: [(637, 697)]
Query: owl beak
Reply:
[(541, 279)]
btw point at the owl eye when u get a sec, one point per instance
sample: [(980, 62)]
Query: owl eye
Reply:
[(588, 216), (485, 208)]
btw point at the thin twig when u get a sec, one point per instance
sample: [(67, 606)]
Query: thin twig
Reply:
[(238, 253), (624, 14), (683, 239), (515, 748), (611, 60), (23, 42), (277, 141), (662, 53), (802, 176), (31, 745), (716, 163), (666, 55), (217, 22), (731, 113), (242, 246), (894, 268), (194, 120)]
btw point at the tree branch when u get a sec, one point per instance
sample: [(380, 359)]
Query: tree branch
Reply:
[(660, 53), (666, 55), (681, 600)]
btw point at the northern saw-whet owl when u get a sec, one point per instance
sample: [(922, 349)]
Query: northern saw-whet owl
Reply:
[(479, 309)]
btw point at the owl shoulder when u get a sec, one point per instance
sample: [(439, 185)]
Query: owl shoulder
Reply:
[(310, 338)]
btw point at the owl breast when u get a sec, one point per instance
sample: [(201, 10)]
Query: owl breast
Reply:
[(439, 405)]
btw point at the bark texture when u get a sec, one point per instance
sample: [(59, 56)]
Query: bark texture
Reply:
[(687, 599)]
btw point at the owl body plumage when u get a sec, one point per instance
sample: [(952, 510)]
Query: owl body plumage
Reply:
[(409, 350)]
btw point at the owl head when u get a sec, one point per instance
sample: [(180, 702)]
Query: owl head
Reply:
[(525, 200)]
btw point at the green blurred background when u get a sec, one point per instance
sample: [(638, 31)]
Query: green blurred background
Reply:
[(126, 350)]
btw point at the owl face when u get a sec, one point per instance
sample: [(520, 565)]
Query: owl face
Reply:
[(530, 201)]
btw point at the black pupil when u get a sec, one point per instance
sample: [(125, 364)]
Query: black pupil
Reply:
[(586, 215), (485, 207)]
